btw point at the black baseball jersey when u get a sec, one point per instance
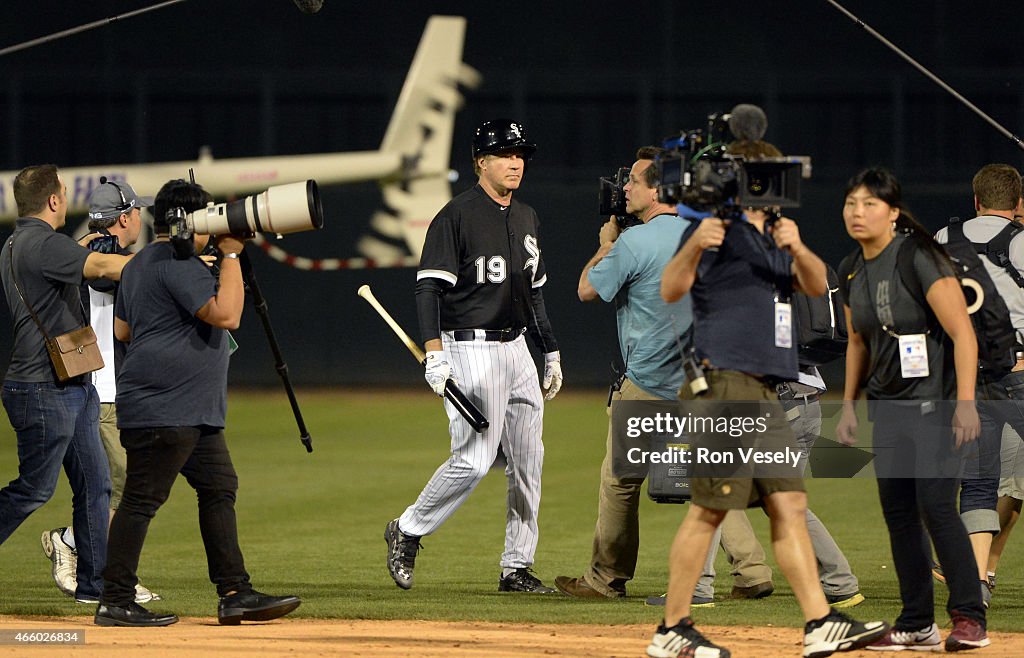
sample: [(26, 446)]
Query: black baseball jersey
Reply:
[(490, 256)]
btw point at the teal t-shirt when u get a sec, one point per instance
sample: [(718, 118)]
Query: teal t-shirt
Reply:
[(650, 330)]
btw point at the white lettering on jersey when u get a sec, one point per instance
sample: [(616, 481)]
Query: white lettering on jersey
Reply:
[(495, 272), (533, 262)]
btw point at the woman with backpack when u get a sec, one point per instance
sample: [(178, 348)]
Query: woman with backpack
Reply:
[(912, 348)]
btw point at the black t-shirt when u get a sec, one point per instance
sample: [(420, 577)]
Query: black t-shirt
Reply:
[(49, 267), (876, 295), (490, 256), (734, 303), (176, 370)]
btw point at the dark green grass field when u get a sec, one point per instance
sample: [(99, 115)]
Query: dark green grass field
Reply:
[(312, 524)]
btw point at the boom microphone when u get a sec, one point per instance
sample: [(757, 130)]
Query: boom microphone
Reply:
[(747, 122), (309, 6)]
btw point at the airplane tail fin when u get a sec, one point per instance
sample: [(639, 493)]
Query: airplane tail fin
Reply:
[(421, 131)]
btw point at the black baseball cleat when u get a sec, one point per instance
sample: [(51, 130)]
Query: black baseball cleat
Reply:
[(521, 580), (402, 550), (254, 606), (132, 614)]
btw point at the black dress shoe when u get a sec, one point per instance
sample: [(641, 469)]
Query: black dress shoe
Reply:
[(132, 614), (254, 606)]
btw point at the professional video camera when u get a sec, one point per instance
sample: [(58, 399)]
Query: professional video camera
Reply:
[(699, 173), (611, 199)]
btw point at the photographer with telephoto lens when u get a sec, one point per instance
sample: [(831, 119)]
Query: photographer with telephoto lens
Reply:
[(172, 401)]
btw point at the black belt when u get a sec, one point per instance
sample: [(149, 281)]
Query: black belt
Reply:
[(499, 335), (787, 394)]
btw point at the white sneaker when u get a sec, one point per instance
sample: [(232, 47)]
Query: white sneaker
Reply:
[(926, 639), (145, 595), (683, 640), (64, 559), (837, 632)]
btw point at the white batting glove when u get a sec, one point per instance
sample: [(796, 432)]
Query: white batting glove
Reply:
[(552, 375), (438, 371)]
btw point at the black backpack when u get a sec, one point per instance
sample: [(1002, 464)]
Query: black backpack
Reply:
[(997, 340), (820, 324)]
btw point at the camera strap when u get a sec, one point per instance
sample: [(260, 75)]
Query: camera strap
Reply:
[(620, 378)]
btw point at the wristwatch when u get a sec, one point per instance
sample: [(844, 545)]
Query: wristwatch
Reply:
[(230, 255)]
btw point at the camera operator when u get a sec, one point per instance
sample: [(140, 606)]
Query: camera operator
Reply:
[(652, 336), (738, 273), (56, 422), (801, 400), (115, 213), (171, 401)]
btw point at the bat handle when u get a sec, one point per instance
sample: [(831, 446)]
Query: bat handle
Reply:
[(465, 407)]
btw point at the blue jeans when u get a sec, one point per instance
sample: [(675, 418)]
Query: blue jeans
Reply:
[(999, 403), (59, 426)]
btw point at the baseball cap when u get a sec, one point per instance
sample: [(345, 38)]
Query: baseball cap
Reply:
[(109, 199)]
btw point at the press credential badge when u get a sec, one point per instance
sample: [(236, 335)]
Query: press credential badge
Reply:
[(783, 324), (913, 356)]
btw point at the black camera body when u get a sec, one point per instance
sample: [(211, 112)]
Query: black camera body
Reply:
[(105, 244), (182, 233), (611, 199), (698, 172)]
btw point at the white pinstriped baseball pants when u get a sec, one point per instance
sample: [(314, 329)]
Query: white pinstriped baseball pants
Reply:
[(502, 380)]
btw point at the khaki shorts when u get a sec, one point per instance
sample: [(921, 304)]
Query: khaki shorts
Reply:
[(117, 458), (1012, 467), (736, 491)]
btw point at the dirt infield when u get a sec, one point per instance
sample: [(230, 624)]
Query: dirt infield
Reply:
[(193, 637)]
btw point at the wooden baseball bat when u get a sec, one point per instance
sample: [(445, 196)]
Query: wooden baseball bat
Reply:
[(452, 393)]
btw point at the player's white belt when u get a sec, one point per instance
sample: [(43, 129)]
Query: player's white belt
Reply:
[(499, 335)]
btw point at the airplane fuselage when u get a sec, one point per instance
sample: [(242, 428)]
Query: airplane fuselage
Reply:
[(222, 178)]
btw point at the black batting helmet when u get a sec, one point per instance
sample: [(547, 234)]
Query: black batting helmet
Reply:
[(501, 135)]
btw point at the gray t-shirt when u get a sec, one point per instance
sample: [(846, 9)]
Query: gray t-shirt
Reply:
[(877, 295), (176, 368), (48, 266)]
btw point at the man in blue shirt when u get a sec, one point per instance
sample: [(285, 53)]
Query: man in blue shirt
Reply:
[(652, 333)]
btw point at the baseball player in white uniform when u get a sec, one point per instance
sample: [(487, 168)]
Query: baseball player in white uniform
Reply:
[(478, 290)]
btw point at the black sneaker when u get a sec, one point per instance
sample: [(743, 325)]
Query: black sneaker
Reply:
[(254, 606), (402, 549), (683, 640), (521, 580), (837, 632)]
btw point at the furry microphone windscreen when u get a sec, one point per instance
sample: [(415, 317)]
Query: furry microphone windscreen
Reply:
[(747, 122), (309, 6)]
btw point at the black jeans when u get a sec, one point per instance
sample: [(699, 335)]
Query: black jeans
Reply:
[(155, 457), (916, 503)]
